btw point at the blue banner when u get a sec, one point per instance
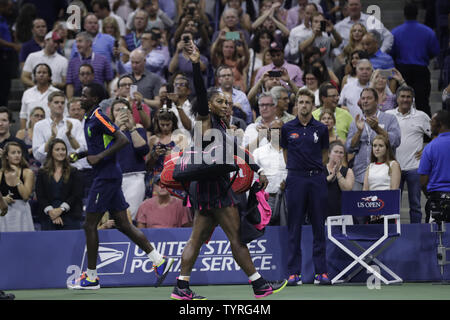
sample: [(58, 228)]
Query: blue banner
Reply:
[(48, 259), (366, 203)]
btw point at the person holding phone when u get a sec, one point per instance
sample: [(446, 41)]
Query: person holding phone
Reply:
[(231, 23), (128, 90), (295, 74), (132, 157), (232, 51), (180, 61), (161, 143), (321, 38), (156, 53)]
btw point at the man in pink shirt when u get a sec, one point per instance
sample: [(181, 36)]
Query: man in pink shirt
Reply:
[(278, 62), (163, 210)]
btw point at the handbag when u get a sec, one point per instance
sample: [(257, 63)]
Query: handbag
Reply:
[(196, 164)]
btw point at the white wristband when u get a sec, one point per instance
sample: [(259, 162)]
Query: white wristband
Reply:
[(260, 170)]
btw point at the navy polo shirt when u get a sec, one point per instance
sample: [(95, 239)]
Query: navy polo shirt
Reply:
[(5, 33), (27, 48), (304, 144), (435, 163), (99, 130)]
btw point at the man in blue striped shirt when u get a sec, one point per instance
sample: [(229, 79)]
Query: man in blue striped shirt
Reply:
[(102, 43), (103, 73), (414, 45)]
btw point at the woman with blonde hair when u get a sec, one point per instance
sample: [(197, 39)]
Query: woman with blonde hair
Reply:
[(111, 27), (386, 99), (328, 118), (16, 186), (357, 32)]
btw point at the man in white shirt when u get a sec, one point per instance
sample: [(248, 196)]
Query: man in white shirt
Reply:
[(325, 40), (350, 94), (102, 10), (50, 56), (369, 21), (270, 158), (37, 96), (58, 126), (414, 124), (300, 33)]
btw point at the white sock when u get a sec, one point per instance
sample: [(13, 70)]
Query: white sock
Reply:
[(92, 274), (184, 278), (156, 257), (254, 277)]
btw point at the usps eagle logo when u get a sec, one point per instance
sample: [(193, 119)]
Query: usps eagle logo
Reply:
[(372, 202)]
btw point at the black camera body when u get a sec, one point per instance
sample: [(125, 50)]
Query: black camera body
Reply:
[(438, 206)]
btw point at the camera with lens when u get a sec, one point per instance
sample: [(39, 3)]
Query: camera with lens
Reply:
[(438, 206)]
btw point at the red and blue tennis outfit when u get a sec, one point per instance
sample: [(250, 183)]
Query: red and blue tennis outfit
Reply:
[(106, 190)]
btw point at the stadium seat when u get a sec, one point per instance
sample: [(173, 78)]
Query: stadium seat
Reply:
[(380, 237)]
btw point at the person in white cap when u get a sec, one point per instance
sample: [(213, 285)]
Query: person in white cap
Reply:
[(51, 57)]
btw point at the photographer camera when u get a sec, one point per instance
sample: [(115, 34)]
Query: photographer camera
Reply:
[(434, 169)]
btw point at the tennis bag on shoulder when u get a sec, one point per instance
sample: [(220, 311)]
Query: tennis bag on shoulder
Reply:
[(196, 164), (241, 183)]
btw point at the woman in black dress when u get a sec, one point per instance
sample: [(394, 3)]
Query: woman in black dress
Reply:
[(213, 201)]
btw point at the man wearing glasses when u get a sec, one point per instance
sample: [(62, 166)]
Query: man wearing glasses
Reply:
[(329, 98), (140, 110), (256, 133)]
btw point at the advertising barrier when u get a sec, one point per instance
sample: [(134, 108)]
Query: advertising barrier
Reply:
[(48, 259)]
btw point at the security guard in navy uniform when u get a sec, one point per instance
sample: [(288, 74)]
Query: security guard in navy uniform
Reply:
[(305, 145)]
